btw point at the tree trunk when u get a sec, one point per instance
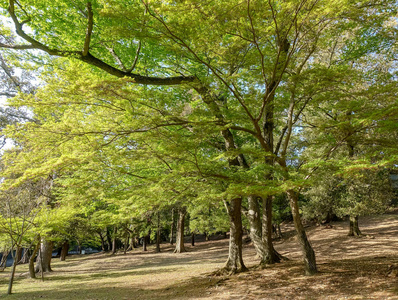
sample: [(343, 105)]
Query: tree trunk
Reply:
[(79, 247), (308, 252), (109, 239), (354, 228), (193, 239), (14, 267), (271, 255), (279, 231), (261, 230), (3, 262), (180, 231), (102, 240), (32, 272), (172, 227), (145, 240), (255, 225), (64, 251), (45, 255), (134, 242), (158, 235), (18, 254), (114, 240), (40, 260), (25, 256), (126, 245), (235, 263)]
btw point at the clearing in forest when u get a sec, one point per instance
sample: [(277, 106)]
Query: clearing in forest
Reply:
[(350, 268)]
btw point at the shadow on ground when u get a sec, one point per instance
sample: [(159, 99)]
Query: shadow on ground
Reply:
[(350, 268)]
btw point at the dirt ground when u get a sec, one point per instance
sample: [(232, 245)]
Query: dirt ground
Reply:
[(349, 268)]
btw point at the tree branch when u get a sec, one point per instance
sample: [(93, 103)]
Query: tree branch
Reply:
[(90, 59), (17, 47), (286, 126), (116, 57), (90, 24), (137, 53)]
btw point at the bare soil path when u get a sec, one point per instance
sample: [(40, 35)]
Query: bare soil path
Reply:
[(350, 268)]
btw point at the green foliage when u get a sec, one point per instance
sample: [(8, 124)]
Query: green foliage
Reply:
[(269, 93), (354, 192)]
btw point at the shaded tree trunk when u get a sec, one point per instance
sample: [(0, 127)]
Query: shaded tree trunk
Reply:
[(25, 256), (45, 255), (79, 247), (109, 239), (193, 239), (102, 240), (114, 240), (145, 241), (172, 227), (308, 252), (18, 254), (135, 242), (279, 231), (180, 231), (354, 227), (255, 225), (14, 267), (32, 272), (261, 230), (158, 235), (64, 251), (3, 262), (271, 255), (126, 242), (235, 263)]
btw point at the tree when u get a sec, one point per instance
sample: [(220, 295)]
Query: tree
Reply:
[(249, 63), (19, 208), (349, 137)]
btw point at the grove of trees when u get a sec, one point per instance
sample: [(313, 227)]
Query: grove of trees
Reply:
[(139, 120)]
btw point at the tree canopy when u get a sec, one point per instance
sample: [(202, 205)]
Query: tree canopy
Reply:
[(148, 105)]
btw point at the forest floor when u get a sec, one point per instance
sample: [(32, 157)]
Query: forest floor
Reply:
[(349, 268)]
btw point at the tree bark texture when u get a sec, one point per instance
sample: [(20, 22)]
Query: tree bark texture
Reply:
[(308, 252), (126, 245), (235, 263), (135, 241), (14, 267), (114, 240), (79, 247), (254, 217), (109, 239), (64, 251), (3, 262), (45, 255), (18, 254), (354, 227), (261, 230), (25, 256), (271, 255), (172, 227), (32, 272), (145, 242), (158, 235), (102, 240), (180, 247)]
